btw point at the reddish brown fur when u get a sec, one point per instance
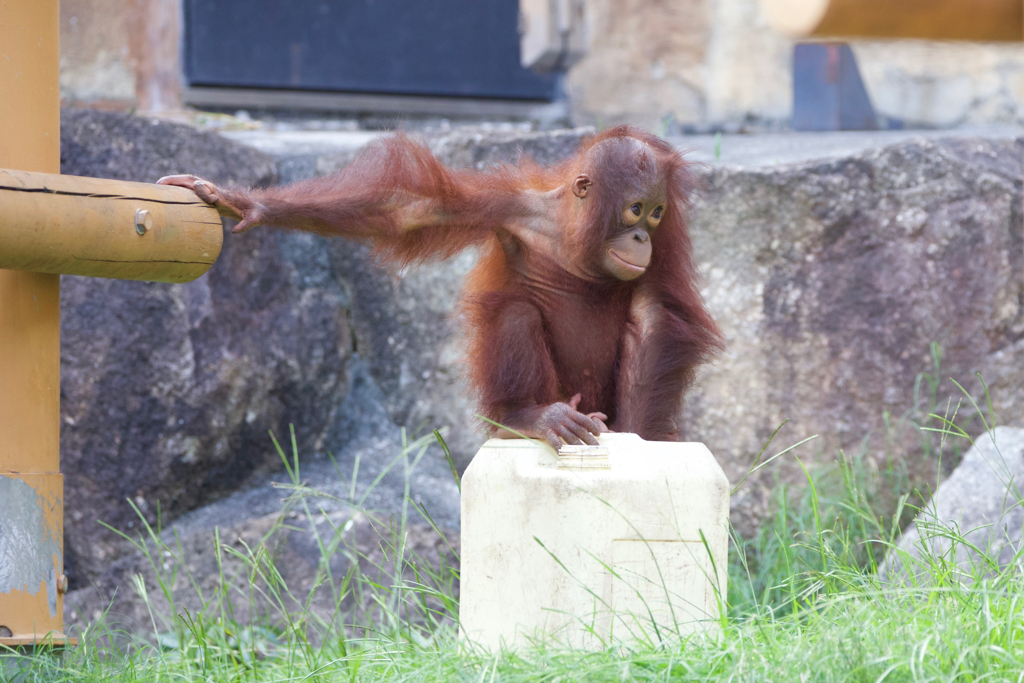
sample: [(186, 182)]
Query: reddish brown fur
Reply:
[(530, 345), (686, 338)]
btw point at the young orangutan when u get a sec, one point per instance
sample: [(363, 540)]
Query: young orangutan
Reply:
[(584, 311)]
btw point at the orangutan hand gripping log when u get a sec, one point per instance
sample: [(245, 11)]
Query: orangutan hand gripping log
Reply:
[(584, 313)]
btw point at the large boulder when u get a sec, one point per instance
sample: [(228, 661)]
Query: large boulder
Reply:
[(102, 144), (168, 391), (831, 279), (975, 520)]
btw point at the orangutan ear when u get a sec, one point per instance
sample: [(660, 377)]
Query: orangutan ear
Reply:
[(581, 185)]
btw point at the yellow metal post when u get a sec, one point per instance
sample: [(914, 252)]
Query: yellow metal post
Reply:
[(31, 538)]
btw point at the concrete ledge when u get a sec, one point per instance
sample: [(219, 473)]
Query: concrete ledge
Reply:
[(774, 149), (377, 104)]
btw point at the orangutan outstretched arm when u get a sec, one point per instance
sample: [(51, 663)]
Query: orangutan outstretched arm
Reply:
[(395, 194)]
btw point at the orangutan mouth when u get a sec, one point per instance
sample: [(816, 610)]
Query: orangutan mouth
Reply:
[(629, 266)]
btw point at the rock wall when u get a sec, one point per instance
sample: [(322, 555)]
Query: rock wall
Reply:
[(832, 279), (168, 391), (121, 54), (292, 541), (718, 63)]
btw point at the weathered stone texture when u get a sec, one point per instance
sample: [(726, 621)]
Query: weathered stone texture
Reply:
[(831, 280), (103, 144), (168, 391), (479, 149)]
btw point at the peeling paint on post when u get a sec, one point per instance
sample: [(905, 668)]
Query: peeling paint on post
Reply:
[(31, 558)]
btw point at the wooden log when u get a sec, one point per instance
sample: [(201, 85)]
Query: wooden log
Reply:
[(105, 228), (985, 20)]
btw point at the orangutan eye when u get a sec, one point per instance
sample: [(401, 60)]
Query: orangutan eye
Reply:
[(636, 209), (656, 214)]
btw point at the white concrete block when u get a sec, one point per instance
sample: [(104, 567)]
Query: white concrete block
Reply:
[(610, 544)]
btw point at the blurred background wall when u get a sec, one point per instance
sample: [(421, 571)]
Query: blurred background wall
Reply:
[(121, 54), (667, 65), (704, 64)]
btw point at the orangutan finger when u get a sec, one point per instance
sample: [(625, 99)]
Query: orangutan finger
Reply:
[(587, 424), (567, 435), (206, 192), (581, 433), (552, 439), (186, 181), (247, 223)]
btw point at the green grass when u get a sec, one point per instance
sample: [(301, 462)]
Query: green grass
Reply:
[(804, 604)]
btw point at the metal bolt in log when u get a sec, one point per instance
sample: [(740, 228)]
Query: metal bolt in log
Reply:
[(79, 226), (998, 20), (143, 221)]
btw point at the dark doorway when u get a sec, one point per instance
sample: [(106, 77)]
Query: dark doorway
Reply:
[(450, 48)]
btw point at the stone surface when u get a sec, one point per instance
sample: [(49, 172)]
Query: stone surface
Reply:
[(297, 152), (168, 391), (980, 501), (468, 148), (831, 279), (646, 62), (943, 83), (719, 64), (776, 149), (122, 55), (104, 144), (96, 63)]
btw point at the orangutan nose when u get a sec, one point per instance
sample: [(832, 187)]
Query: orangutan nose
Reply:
[(641, 236)]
